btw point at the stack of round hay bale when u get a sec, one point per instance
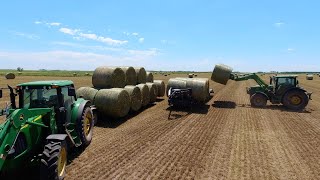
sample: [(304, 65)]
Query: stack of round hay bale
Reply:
[(117, 90), (199, 87)]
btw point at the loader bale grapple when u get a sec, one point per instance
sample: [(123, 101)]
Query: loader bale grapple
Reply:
[(46, 122)]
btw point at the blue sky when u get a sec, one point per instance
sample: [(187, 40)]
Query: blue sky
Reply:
[(248, 35)]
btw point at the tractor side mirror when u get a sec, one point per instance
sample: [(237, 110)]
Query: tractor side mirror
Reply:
[(71, 91), (0, 93)]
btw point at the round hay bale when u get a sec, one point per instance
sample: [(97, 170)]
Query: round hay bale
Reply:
[(161, 87), (221, 74), (10, 76), (113, 102), (195, 75), (135, 97), (149, 77), (153, 92), (141, 75), (108, 77), (131, 75), (176, 83), (309, 77), (199, 86), (190, 75), (19, 73), (145, 95), (87, 93), (87, 74)]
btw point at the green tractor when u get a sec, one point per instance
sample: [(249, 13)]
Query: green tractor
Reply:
[(283, 89), (43, 126)]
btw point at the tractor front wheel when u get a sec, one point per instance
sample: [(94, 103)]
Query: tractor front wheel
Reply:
[(85, 126), (54, 161), (295, 100), (258, 100)]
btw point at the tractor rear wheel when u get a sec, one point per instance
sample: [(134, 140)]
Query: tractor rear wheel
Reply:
[(54, 161), (258, 100), (85, 126), (295, 100)]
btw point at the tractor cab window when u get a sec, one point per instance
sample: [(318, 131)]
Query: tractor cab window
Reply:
[(286, 81), (39, 97)]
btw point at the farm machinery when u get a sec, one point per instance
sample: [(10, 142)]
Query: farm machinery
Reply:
[(42, 127), (283, 89)]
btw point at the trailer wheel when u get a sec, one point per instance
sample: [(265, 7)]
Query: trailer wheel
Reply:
[(85, 126), (295, 100), (54, 161), (258, 100)]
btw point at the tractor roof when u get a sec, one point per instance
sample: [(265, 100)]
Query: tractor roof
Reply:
[(47, 83), (286, 76)]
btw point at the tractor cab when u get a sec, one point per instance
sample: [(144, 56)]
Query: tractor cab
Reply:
[(45, 94), (282, 83)]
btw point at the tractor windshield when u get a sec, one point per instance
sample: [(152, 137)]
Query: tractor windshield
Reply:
[(39, 98)]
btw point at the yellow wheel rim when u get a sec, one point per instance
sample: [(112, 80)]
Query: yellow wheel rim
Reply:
[(87, 123), (296, 100), (62, 161)]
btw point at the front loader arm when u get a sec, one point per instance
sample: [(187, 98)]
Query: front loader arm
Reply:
[(253, 76), (13, 126)]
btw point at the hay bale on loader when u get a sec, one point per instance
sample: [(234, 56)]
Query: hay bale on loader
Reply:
[(145, 95), (221, 73), (161, 87), (113, 102), (87, 93), (149, 77), (10, 76), (131, 75), (309, 77), (135, 97), (108, 77), (153, 92), (141, 75)]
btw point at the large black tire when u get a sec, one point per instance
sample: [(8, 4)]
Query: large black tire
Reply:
[(54, 161), (295, 99), (85, 126), (258, 100)]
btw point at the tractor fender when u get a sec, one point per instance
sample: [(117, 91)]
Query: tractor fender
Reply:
[(57, 137), (78, 108), (259, 92)]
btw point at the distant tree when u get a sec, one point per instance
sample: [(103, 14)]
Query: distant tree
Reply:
[(20, 69)]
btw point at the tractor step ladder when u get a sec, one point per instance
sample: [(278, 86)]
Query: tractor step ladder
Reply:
[(70, 129)]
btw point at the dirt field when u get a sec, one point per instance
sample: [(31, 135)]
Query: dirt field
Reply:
[(225, 139)]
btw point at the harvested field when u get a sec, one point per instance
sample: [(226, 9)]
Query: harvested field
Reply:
[(224, 139)]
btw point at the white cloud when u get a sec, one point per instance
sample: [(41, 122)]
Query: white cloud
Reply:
[(135, 34), (26, 35), (79, 35), (290, 49), (141, 40), (38, 22), (279, 24), (65, 60), (69, 31), (54, 24), (88, 36), (126, 33)]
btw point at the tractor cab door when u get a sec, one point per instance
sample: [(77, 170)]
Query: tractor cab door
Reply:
[(66, 99)]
